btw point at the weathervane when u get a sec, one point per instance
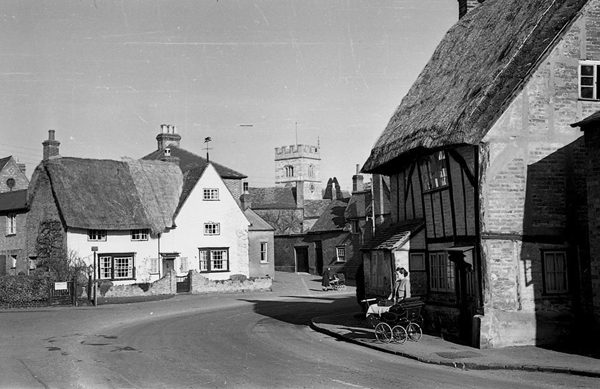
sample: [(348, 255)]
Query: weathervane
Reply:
[(206, 140)]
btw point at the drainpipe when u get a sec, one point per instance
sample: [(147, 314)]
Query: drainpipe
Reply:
[(158, 256)]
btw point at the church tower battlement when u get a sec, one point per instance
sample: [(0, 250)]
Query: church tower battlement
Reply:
[(299, 164)]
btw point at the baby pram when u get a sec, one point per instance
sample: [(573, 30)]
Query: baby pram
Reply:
[(398, 322), (338, 282)]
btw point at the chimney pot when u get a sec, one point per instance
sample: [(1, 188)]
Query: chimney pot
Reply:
[(50, 134)]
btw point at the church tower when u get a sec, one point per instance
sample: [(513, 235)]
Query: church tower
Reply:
[(299, 166)]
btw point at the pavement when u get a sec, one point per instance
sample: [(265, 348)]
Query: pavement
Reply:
[(352, 327)]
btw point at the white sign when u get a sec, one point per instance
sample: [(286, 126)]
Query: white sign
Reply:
[(60, 286)]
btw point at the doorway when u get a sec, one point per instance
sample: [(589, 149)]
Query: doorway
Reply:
[(319, 257), (301, 259)]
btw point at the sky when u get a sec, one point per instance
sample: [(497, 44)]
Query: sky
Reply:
[(252, 75)]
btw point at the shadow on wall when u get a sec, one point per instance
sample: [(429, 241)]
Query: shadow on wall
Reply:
[(555, 249)]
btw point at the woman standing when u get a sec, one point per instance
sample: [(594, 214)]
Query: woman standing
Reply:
[(401, 289)]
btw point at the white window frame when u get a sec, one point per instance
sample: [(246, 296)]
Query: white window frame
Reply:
[(153, 266), (11, 224), (96, 235), (184, 265), (119, 266), (210, 194), (139, 234), (593, 79), (442, 276), (340, 254), (555, 273), (213, 259), (212, 228), (264, 252)]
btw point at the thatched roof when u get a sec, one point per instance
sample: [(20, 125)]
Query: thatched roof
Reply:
[(115, 195), (188, 161), (476, 70)]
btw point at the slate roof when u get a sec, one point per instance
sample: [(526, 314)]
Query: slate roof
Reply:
[(190, 179), (315, 208), (188, 161), (114, 195), (4, 161), (273, 198), (358, 204), (13, 201), (257, 223), (476, 71), (593, 118), (332, 219), (393, 236)]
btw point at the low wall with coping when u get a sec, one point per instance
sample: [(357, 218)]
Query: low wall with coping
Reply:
[(198, 285)]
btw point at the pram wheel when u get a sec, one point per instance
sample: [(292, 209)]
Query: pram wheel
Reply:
[(383, 332), (414, 332), (399, 334)]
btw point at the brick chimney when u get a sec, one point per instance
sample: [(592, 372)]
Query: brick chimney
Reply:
[(168, 136), (246, 198), (50, 146), (466, 6), (357, 181), (167, 157)]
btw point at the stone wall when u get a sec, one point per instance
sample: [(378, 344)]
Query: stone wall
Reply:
[(202, 285), (592, 142), (199, 285)]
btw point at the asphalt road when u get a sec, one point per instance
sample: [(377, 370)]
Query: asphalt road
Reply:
[(257, 340)]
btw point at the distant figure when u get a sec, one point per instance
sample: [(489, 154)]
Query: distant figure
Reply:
[(401, 290), (326, 278)]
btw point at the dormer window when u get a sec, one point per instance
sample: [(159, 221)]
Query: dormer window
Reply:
[(97, 235), (139, 234), (167, 152)]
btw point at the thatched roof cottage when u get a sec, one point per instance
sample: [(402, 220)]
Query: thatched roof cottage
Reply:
[(480, 149), (143, 217)]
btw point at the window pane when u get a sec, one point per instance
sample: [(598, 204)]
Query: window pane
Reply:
[(123, 267), (218, 260), (203, 260), (587, 81), (587, 70), (105, 267)]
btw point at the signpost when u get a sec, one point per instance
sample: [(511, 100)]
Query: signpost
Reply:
[(95, 249)]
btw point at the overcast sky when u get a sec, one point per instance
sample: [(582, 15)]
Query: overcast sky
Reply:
[(105, 74)]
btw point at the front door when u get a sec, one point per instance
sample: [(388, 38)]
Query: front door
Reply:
[(319, 257), (301, 259), (466, 296), (168, 265)]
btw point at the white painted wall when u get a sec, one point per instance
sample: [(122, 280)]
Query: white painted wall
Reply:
[(117, 242), (188, 236)]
